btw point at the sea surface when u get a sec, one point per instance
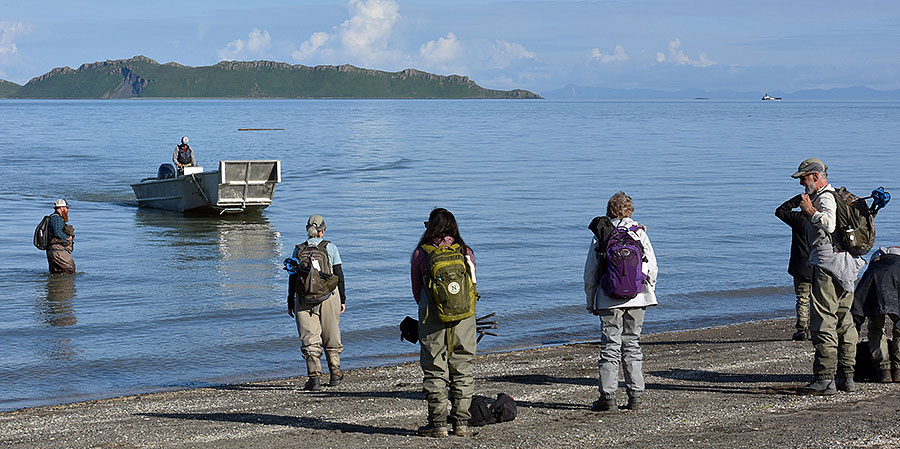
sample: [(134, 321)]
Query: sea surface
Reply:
[(164, 300)]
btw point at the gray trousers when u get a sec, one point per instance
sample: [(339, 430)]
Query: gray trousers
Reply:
[(803, 290), (878, 344), (319, 326), (447, 355), (620, 343), (833, 332)]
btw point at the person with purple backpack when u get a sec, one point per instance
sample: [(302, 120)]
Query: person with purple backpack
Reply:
[(619, 283)]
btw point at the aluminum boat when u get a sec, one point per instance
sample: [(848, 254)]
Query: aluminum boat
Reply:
[(236, 187)]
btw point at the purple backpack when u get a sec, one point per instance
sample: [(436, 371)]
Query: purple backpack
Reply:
[(624, 277)]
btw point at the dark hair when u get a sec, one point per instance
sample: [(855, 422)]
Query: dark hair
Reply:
[(441, 223)]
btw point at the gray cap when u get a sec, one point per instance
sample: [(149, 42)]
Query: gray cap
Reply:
[(60, 203), (811, 165), (316, 221)]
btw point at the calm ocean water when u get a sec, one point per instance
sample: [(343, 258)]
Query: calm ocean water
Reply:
[(164, 301)]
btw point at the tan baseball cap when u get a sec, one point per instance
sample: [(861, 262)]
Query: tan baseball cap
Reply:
[(811, 165)]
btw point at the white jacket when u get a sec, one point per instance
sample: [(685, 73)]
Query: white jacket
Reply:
[(596, 298)]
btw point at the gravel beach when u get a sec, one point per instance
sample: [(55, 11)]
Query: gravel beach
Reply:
[(730, 386)]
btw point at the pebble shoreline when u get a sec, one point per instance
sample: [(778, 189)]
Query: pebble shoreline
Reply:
[(729, 386)]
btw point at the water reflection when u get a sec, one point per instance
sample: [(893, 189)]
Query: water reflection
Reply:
[(55, 302), (231, 252)]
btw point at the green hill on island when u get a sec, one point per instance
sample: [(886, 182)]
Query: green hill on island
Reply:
[(142, 77), (7, 88)]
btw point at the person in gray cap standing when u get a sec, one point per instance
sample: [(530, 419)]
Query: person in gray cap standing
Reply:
[(319, 324), (62, 238), (834, 274)]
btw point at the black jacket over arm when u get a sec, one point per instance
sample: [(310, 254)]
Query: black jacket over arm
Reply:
[(798, 266)]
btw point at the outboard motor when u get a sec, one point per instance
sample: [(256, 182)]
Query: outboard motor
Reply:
[(166, 171)]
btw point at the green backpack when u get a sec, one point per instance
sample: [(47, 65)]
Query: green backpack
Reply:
[(855, 228), (448, 282)]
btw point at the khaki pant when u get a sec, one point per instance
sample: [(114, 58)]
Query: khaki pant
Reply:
[(59, 258), (447, 356), (833, 332), (319, 327), (802, 289), (882, 357)]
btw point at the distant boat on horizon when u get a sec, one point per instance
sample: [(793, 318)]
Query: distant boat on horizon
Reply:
[(766, 97)]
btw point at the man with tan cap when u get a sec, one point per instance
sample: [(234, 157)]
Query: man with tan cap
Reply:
[(834, 274), (318, 324), (62, 237)]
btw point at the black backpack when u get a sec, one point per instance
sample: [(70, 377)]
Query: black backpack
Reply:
[(504, 408), (42, 234), (481, 413)]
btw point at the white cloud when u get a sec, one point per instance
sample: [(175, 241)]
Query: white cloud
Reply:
[(618, 55), (677, 56), (442, 54), (362, 39), (9, 32), (311, 46), (365, 35), (504, 53), (256, 46)]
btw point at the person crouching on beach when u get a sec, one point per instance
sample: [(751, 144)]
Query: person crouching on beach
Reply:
[(318, 323), (442, 274), (62, 240), (619, 283), (834, 275)]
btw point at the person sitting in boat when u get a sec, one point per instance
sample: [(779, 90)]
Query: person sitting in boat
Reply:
[(183, 156)]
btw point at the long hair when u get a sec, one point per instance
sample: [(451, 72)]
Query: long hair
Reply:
[(441, 223)]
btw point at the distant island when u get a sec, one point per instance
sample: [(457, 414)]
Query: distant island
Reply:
[(856, 93), (142, 77)]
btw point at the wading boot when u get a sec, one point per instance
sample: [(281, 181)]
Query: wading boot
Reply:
[(461, 430), (819, 387), (313, 384), (845, 383), (895, 374), (337, 376), (605, 405), (883, 376), (801, 335), (634, 403), (433, 431)]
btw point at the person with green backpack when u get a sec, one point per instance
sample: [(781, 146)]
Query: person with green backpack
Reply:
[(443, 280), (316, 299), (836, 266)]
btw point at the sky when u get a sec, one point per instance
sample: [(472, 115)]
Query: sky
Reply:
[(760, 45)]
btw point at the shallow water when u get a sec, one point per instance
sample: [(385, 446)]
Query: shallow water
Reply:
[(163, 300)]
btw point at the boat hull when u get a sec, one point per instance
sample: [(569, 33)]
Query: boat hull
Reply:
[(237, 187)]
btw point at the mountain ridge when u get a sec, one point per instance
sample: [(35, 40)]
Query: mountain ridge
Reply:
[(143, 77)]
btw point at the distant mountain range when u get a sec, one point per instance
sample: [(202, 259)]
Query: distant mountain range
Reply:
[(572, 92), (142, 77)]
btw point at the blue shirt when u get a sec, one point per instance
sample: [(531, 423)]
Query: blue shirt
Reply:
[(56, 227), (333, 255)]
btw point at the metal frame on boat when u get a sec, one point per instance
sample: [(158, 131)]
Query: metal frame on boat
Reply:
[(236, 187)]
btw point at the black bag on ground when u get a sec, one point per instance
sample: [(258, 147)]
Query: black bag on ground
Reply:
[(481, 413), (42, 234), (409, 329), (504, 408)]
